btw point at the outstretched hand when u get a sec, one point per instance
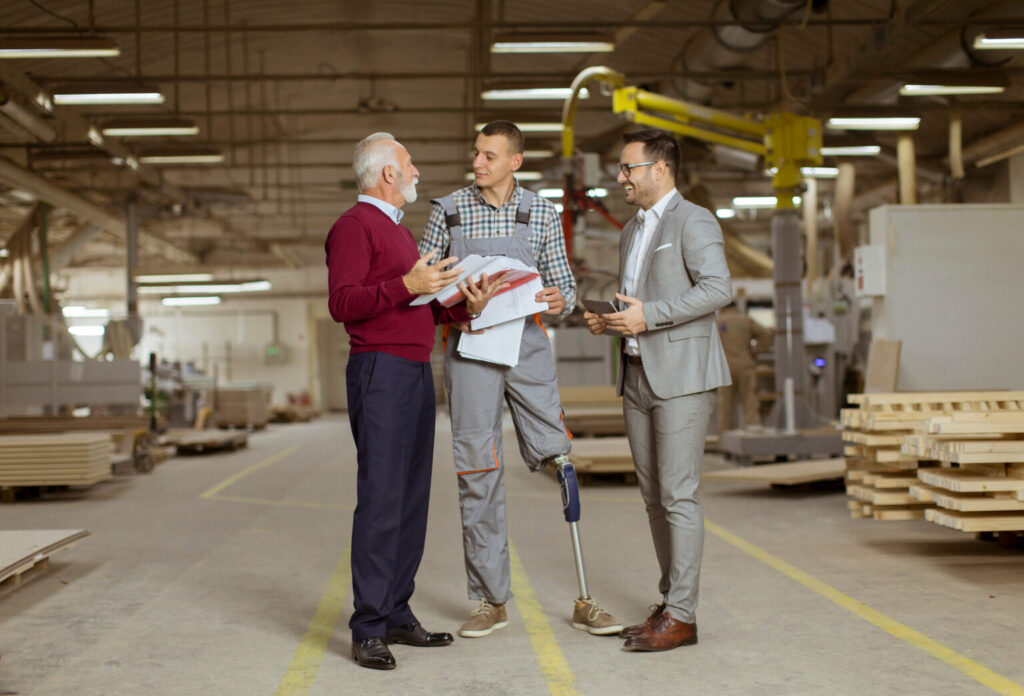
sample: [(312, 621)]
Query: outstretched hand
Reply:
[(595, 323), (426, 280)]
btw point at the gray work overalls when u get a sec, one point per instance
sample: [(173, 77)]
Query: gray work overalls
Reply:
[(475, 393)]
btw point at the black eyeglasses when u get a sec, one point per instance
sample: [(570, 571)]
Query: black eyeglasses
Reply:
[(626, 168)]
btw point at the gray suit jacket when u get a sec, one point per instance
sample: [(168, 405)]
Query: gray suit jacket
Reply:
[(683, 279)]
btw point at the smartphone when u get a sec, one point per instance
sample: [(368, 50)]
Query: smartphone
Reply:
[(602, 307)]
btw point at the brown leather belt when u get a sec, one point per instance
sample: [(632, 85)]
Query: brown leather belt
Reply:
[(634, 360)]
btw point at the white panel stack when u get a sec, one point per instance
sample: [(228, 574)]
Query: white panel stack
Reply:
[(64, 459), (243, 407)]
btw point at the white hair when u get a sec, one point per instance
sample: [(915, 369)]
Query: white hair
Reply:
[(373, 153)]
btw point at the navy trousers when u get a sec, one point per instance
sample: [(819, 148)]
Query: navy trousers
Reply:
[(391, 411)]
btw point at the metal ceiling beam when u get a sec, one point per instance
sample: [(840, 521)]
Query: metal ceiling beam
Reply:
[(15, 177)]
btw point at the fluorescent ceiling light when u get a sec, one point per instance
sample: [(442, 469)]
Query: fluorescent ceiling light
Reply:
[(725, 213), (521, 176), (941, 90), (559, 207), (175, 278), (206, 288), (552, 127), (100, 93), (538, 154), (551, 193), (142, 128), (190, 301), (819, 172), (204, 156), (86, 330), (58, 47), (4, 253), (77, 311), (758, 201), (851, 151), (999, 40), (531, 93), (894, 123), (552, 43)]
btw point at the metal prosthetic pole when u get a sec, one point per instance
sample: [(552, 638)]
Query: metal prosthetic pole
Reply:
[(571, 508)]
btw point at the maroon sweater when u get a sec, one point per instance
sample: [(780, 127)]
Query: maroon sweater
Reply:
[(367, 255)]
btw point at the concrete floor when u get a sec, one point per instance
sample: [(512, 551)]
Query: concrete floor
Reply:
[(246, 591)]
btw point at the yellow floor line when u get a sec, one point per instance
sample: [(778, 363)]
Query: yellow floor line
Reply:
[(209, 493), (559, 677), (305, 665), (282, 503), (980, 673)]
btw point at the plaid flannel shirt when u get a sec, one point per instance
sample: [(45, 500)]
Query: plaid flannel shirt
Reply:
[(481, 220)]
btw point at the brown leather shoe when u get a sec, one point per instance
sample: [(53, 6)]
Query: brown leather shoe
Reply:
[(667, 633), (637, 629)]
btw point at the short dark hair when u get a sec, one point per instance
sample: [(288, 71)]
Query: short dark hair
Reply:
[(658, 145), (511, 131)]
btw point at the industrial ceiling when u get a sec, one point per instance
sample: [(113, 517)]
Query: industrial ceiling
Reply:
[(283, 91)]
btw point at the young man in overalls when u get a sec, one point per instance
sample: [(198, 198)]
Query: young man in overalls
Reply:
[(491, 217)]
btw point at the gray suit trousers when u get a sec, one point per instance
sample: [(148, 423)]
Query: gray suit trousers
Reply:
[(666, 437)]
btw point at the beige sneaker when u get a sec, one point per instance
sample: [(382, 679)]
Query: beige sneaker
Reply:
[(588, 616), (484, 620)]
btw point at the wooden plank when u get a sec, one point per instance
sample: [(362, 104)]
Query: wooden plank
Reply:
[(936, 397), (976, 522), (899, 513), (883, 366), (967, 502), (787, 474), (890, 480), (963, 481), (602, 455), (589, 395)]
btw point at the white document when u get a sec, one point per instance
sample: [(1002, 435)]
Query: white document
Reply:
[(498, 344), (512, 304), (473, 266)]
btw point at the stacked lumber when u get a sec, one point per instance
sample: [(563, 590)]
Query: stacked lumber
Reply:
[(65, 459), (592, 411), (979, 483), (242, 407), (897, 440)]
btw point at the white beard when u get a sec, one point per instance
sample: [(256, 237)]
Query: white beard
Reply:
[(408, 190)]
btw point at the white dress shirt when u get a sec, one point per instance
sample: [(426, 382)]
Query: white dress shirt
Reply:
[(385, 207), (648, 221)]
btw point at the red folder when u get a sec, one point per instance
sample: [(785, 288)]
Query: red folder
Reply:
[(513, 277)]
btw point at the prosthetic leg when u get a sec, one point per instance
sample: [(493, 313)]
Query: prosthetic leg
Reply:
[(571, 509)]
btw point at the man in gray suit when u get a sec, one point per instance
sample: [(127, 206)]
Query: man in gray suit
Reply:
[(673, 277)]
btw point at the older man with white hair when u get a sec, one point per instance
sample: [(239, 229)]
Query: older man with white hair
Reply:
[(374, 272)]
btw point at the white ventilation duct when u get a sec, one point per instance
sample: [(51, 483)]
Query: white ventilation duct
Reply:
[(724, 46)]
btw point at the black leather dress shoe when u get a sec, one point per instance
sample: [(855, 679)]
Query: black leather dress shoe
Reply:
[(415, 634), (373, 653)]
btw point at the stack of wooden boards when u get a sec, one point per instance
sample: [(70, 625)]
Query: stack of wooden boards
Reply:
[(953, 458), (26, 553), (241, 406), (65, 459)]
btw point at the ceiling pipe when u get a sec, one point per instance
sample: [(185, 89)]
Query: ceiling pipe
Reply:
[(750, 23)]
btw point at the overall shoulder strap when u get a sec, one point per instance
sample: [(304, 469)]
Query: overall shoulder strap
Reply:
[(523, 214), (452, 219)]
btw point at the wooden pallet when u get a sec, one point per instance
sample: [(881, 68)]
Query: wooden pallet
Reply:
[(25, 554), (205, 441), (602, 455)]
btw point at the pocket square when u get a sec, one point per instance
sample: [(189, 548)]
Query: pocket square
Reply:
[(663, 246)]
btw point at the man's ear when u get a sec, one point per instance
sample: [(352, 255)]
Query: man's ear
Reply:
[(517, 161), (388, 173)]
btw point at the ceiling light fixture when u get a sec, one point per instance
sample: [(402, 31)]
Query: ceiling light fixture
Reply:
[(106, 93), (205, 288), (86, 330), (725, 213), (144, 128), (521, 176), (538, 154), (758, 201), (78, 311), (910, 90), (526, 93), (999, 40), (198, 156), (552, 43), (887, 123), (819, 172), (546, 127), (175, 278), (851, 151), (190, 301), (58, 47), (558, 193)]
